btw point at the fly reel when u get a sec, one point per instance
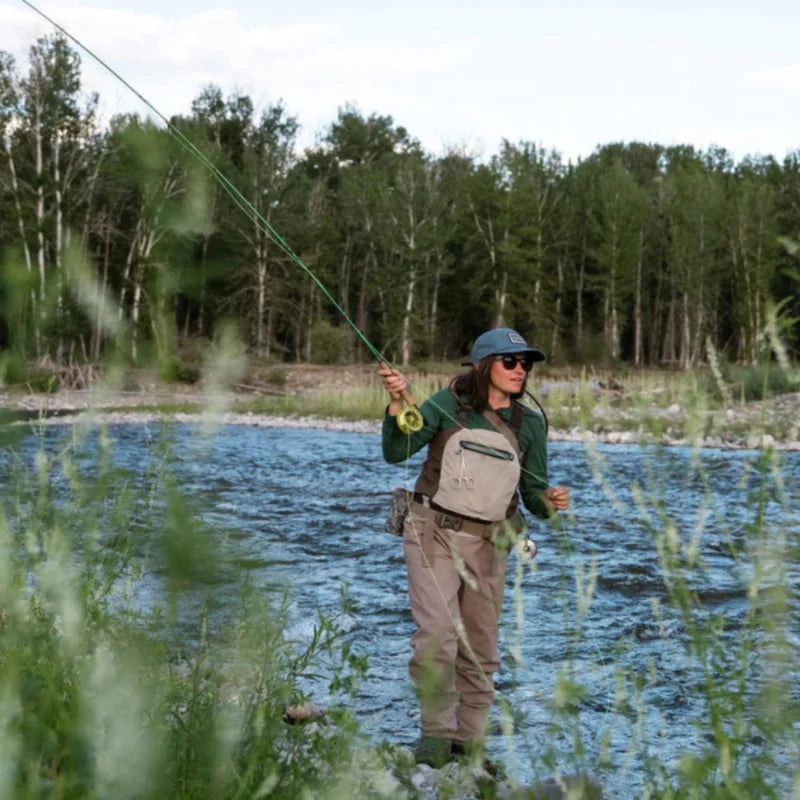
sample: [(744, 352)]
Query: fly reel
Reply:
[(410, 419)]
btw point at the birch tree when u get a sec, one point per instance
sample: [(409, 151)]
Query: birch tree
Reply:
[(693, 206), (617, 248), (55, 134), (16, 231), (752, 242), (489, 242), (536, 259)]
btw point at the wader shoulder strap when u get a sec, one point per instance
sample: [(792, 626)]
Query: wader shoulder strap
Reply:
[(428, 480), (436, 447), (507, 430), (517, 415)]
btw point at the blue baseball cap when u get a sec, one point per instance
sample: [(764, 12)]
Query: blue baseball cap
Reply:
[(501, 341)]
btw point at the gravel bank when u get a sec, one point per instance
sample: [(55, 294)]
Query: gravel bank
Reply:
[(97, 406)]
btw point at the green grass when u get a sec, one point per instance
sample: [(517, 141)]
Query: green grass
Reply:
[(97, 702), (367, 402)]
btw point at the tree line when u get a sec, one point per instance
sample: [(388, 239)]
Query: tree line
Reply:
[(119, 239)]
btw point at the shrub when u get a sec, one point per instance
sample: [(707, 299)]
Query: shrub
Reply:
[(42, 381), (329, 344), (173, 369), (277, 376), (749, 383)]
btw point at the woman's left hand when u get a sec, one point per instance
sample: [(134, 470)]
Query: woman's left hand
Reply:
[(557, 497)]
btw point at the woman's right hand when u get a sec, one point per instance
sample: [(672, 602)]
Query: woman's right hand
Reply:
[(395, 385)]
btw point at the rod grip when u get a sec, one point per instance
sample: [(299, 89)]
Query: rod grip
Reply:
[(407, 399)]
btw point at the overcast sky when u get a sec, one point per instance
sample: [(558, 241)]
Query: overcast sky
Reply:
[(565, 75)]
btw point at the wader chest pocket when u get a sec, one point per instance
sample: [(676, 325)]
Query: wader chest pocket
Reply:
[(485, 450), (478, 476)]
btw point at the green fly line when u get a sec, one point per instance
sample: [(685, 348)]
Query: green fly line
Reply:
[(410, 419)]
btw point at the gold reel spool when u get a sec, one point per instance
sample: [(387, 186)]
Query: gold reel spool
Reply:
[(410, 419)]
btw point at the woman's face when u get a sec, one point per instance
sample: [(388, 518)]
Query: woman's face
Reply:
[(508, 381)]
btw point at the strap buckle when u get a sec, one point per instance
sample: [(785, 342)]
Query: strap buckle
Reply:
[(450, 521)]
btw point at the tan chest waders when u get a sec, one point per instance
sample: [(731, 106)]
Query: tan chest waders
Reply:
[(471, 476)]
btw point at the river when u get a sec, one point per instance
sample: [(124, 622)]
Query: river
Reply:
[(304, 509)]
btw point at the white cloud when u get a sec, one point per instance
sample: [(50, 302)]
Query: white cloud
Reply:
[(543, 74), (786, 76), (315, 67)]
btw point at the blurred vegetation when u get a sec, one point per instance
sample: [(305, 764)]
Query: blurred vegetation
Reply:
[(99, 700)]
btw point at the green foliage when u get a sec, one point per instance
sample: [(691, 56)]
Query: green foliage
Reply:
[(277, 376), (14, 372), (330, 344), (173, 369), (41, 381), (749, 383), (638, 254)]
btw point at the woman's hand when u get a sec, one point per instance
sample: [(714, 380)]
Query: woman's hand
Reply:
[(395, 385), (557, 497)]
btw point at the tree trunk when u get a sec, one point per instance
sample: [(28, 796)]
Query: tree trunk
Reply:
[(405, 333), (26, 251), (137, 297), (97, 335), (59, 242), (434, 306), (39, 171), (579, 299), (554, 339), (638, 349), (501, 285), (261, 302)]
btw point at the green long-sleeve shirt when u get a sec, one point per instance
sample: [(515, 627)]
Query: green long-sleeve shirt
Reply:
[(440, 412)]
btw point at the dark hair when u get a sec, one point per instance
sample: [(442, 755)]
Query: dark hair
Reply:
[(472, 387)]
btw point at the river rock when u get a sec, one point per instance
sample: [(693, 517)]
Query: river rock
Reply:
[(458, 779), (564, 787)]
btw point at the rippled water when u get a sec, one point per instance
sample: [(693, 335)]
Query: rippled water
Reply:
[(305, 509)]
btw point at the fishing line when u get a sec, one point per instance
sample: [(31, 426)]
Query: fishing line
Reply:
[(410, 418), (251, 211), (248, 208), (241, 201)]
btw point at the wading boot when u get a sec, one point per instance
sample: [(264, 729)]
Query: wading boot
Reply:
[(433, 751), (475, 753)]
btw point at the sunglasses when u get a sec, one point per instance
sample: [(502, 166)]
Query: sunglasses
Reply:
[(510, 362)]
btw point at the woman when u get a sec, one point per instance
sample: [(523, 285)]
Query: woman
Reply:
[(484, 446)]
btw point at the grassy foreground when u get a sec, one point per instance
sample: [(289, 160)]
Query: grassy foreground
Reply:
[(100, 700)]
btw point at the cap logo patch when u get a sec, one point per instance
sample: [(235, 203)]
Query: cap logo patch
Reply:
[(515, 338)]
